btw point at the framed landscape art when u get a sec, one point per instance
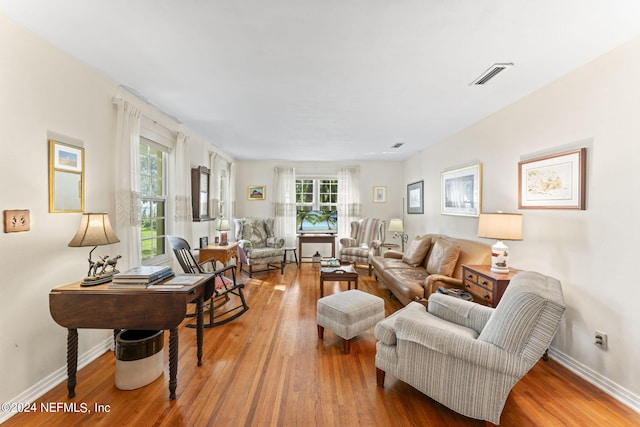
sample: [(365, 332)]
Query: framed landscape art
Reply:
[(462, 191), (256, 192), (556, 181)]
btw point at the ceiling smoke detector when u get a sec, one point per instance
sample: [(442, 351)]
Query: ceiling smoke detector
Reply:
[(493, 71)]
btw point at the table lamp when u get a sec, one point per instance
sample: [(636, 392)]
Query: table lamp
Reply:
[(395, 226), (95, 230), (500, 226), (223, 226)]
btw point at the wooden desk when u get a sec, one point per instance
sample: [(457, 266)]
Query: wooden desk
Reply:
[(222, 253), (317, 238), (101, 307)]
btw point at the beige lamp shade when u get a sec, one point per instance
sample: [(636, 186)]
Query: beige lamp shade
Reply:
[(223, 225), (395, 225), (500, 226), (95, 230)]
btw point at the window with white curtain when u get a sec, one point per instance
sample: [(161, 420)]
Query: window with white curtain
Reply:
[(153, 200), (317, 204)]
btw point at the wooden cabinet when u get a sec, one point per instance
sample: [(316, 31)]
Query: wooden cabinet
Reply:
[(486, 286)]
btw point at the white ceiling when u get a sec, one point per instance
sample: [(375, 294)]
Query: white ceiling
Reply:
[(329, 79)]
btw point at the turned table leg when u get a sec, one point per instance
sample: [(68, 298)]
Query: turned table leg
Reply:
[(72, 361), (173, 362)]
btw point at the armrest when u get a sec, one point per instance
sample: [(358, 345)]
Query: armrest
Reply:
[(433, 281), (393, 254), (416, 329), (385, 330), (347, 242), (245, 245), (375, 244), (455, 310)]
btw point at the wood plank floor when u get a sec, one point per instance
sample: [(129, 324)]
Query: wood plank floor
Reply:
[(268, 368)]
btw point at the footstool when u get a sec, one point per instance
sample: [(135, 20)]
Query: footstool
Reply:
[(348, 314)]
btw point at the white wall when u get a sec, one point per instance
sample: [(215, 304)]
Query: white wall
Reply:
[(45, 92), (388, 174), (592, 252)]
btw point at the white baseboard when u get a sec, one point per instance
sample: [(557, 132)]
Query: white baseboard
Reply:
[(41, 387), (603, 383)]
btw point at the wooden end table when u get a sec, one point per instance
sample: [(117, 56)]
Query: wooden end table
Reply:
[(344, 273), (485, 285), (222, 253)]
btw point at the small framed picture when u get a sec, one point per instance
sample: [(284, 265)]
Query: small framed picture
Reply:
[(256, 192), (415, 198), (379, 194)]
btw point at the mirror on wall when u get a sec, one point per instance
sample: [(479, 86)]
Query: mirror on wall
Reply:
[(66, 177), (200, 193)]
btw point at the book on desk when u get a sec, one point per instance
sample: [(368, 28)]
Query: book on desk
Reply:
[(141, 276)]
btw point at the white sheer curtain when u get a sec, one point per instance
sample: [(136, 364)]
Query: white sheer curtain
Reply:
[(127, 147), (181, 188), (214, 193), (348, 199), (284, 206)]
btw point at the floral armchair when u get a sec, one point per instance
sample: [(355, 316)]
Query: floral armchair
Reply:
[(258, 245), (367, 235)]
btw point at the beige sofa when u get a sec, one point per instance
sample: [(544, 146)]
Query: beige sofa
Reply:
[(430, 261)]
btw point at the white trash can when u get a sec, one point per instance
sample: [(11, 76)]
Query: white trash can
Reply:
[(139, 358)]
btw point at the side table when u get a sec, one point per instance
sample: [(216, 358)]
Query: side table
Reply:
[(485, 285), (222, 253)]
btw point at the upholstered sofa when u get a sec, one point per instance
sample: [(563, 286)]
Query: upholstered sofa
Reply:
[(468, 356), (429, 261)]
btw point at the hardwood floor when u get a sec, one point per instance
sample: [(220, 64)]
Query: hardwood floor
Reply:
[(268, 368)]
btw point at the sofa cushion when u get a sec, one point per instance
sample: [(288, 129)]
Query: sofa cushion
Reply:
[(407, 283), (417, 250), (444, 256)]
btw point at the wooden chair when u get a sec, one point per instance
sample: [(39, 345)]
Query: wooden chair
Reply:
[(218, 293)]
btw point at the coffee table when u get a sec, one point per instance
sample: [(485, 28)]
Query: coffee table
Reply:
[(344, 273)]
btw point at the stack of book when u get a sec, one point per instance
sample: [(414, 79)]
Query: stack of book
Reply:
[(142, 276)]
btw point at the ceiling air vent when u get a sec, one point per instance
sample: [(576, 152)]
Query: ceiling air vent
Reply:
[(493, 71), (397, 145)]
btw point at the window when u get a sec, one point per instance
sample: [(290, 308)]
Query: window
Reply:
[(317, 204), (153, 194)]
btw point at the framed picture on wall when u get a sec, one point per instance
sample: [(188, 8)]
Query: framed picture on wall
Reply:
[(379, 194), (66, 177), (256, 192), (556, 181), (415, 198), (461, 192)]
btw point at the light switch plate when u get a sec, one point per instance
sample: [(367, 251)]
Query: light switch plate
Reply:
[(16, 220)]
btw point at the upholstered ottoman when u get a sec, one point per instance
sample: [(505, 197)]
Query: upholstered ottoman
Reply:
[(348, 314)]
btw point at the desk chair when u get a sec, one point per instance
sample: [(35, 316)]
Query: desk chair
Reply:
[(218, 294)]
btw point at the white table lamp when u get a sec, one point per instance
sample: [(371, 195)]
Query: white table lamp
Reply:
[(396, 226), (500, 226)]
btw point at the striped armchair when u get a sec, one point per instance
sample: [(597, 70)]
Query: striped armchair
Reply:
[(468, 356), (367, 235)]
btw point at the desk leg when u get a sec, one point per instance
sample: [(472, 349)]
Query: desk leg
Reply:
[(200, 326), (173, 362), (321, 288), (72, 361)]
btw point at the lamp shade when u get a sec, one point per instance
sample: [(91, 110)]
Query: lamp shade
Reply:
[(223, 225), (500, 226), (95, 230), (395, 225)]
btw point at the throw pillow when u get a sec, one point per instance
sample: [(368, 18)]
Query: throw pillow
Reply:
[(417, 250), (444, 257)]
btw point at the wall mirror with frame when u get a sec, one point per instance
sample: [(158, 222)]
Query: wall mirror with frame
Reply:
[(66, 177), (200, 193)]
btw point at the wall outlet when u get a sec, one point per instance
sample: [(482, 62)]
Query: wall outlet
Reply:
[(17, 220), (601, 340)]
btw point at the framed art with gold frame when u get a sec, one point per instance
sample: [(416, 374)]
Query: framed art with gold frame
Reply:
[(66, 177), (256, 192)]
